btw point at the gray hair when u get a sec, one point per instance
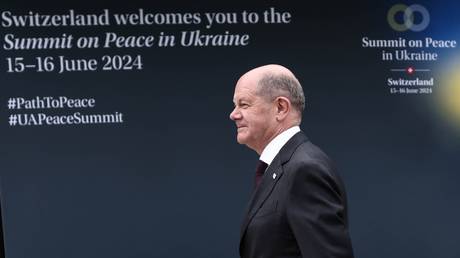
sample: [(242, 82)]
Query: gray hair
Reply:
[(275, 85)]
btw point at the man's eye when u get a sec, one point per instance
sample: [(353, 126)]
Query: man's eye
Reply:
[(244, 105)]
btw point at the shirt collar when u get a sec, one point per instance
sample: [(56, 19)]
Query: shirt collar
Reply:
[(273, 147)]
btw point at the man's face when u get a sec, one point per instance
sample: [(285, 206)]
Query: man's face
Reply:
[(254, 115)]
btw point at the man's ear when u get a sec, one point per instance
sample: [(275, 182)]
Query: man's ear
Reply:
[(283, 107)]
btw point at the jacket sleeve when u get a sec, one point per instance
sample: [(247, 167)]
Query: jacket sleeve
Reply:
[(316, 213)]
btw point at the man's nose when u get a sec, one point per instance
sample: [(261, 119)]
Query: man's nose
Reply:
[(234, 115)]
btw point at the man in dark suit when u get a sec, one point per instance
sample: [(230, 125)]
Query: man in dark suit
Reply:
[(299, 206)]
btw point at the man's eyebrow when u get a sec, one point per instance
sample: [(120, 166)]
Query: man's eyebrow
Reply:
[(240, 100)]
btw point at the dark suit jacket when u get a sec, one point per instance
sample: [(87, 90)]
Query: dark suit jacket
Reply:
[(299, 208)]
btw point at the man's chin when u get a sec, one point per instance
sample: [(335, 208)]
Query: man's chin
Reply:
[(241, 139)]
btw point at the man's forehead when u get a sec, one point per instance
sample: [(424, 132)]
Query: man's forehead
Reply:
[(247, 82), (247, 85), (244, 89), (242, 95)]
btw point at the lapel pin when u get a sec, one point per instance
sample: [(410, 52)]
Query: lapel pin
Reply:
[(274, 175)]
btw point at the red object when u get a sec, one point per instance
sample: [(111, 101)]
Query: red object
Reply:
[(261, 167), (410, 70)]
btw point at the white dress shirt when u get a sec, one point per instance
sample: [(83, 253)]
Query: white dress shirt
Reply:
[(273, 147)]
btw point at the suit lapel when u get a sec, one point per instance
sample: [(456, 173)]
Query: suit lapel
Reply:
[(268, 182), (263, 191)]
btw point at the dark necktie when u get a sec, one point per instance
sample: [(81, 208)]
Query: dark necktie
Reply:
[(261, 166)]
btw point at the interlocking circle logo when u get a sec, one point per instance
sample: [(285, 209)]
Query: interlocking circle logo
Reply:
[(408, 17)]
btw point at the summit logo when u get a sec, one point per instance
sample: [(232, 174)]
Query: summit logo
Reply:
[(401, 17)]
